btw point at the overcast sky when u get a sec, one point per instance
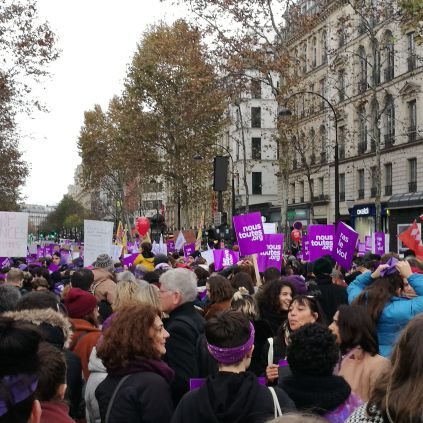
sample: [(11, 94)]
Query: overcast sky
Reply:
[(97, 39)]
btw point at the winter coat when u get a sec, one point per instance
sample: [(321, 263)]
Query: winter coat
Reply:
[(97, 374), (57, 331), (185, 326), (273, 318), (230, 398), (104, 286), (55, 412), (361, 370), (216, 308), (398, 311), (146, 262), (84, 339), (330, 396), (329, 295), (262, 332), (144, 397)]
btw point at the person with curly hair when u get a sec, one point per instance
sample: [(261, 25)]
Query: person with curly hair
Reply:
[(397, 395), (137, 378), (312, 355)]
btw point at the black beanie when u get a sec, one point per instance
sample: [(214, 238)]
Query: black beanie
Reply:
[(322, 266)]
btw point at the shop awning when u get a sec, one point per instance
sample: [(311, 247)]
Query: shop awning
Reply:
[(408, 200)]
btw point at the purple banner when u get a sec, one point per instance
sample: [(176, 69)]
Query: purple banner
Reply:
[(305, 248), (272, 257), (379, 243), (48, 250), (224, 258), (170, 245), (344, 245), (368, 242), (129, 259), (320, 238), (189, 249), (361, 249), (40, 252), (249, 233)]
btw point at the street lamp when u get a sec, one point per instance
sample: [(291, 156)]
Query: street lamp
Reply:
[(283, 111)]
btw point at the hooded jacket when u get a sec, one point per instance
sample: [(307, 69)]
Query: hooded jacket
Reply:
[(57, 331), (146, 261), (97, 374), (103, 287), (230, 398)]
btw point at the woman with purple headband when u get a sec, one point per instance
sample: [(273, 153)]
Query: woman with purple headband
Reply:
[(233, 394)]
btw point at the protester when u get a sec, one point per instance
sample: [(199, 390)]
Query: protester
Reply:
[(18, 372), (382, 296), (104, 285), (136, 388), (146, 258), (52, 385), (301, 310), (234, 394), (15, 277), (273, 302), (82, 278), (312, 355), (361, 365), (271, 274), (178, 291), (83, 313), (9, 297), (397, 395), (40, 284), (220, 293), (243, 279)]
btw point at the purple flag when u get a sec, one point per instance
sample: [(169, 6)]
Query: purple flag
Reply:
[(379, 243), (320, 238), (344, 245), (249, 233), (189, 249), (272, 257), (170, 245), (306, 248), (4, 262), (368, 243), (129, 259), (224, 258)]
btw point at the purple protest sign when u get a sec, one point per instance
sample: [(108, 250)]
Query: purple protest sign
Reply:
[(361, 249), (379, 243), (48, 250), (170, 245), (189, 249), (249, 233), (368, 243), (272, 257), (4, 262), (129, 259), (40, 252), (344, 245), (320, 238), (306, 248), (224, 258)]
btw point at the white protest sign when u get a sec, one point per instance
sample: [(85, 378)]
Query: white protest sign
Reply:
[(98, 237), (13, 234), (270, 228), (208, 256)]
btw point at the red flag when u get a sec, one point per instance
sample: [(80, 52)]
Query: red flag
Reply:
[(411, 237)]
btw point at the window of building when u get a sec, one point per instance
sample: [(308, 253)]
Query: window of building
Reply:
[(342, 186), (362, 83), (311, 98), (323, 47), (256, 183), (388, 178), (341, 85), (255, 117), (321, 184), (314, 47), (323, 143), (373, 177), (341, 142), (360, 174), (376, 64), (292, 192), (301, 192), (322, 89), (389, 121), (256, 148), (362, 141), (390, 56), (411, 59), (412, 175), (304, 57), (375, 135), (255, 88), (312, 135)]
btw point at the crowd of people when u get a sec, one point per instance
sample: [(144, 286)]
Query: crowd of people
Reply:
[(172, 340)]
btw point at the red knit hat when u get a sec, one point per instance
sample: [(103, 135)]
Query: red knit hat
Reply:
[(79, 303)]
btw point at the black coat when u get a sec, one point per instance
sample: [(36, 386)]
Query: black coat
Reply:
[(144, 397), (232, 398), (185, 325), (330, 296)]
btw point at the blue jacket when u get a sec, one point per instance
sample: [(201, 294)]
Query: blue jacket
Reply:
[(398, 311)]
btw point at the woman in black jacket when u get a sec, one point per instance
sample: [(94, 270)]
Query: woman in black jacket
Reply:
[(136, 389)]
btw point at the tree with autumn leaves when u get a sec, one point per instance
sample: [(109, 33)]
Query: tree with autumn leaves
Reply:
[(172, 109)]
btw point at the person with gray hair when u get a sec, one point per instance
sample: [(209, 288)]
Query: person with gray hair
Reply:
[(9, 297), (178, 291)]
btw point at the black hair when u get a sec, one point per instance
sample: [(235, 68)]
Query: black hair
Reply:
[(82, 278), (151, 277), (268, 297), (271, 273), (9, 297), (313, 304), (243, 279), (202, 275), (38, 300), (228, 329), (356, 329), (312, 351)]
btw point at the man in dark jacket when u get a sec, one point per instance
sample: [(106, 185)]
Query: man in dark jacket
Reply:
[(330, 296), (178, 291)]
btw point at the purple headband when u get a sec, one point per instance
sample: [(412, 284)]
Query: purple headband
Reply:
[(234, 354), (391, 270), (20, 387)]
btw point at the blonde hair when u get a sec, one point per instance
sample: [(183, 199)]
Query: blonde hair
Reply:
[(149, 294), (127, 292), (242, 301)]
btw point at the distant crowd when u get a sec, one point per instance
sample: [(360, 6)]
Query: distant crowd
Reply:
[(169, 339)]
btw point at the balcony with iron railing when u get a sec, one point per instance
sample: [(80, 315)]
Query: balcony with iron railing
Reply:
[(361, 194), (412, 186), (301, 199), (388, 189)]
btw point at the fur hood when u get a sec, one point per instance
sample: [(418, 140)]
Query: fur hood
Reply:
[(49, 321)]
